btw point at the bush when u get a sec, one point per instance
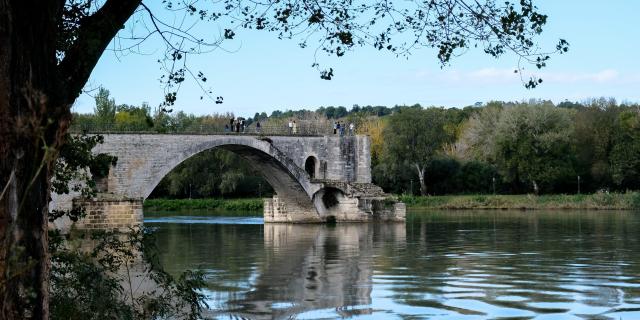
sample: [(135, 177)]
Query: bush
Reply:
[(603, 198), (600, 200), (98, 283), (634, 200), (251, 204)]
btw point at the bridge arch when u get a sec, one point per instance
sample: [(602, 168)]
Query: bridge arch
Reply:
[(328, 200), (144, 161), (285, 183)]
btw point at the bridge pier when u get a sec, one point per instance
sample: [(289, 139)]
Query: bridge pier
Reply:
[(278, 210), (343, 208), (109, 212)]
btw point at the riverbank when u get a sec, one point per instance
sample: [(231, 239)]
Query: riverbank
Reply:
[(245, 205), (596, 201)]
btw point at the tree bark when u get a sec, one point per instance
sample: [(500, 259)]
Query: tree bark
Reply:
[(36, 94), (32, 122), (423, 184)]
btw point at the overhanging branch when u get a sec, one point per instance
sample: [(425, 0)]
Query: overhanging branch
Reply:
[(94, 35)]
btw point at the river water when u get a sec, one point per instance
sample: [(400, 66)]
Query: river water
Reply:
[(437, 265)]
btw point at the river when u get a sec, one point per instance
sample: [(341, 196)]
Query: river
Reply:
[(437, 265)]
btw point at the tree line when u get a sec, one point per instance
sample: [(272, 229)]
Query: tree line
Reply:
[(532, 146), (511, 147), (109, 116)]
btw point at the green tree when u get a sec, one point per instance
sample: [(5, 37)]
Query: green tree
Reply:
[(533, 145), (49, 49), (595, 128), (105, 109), (477, 140), (414, 136), (625, 153), (340, 112), (132, 118)]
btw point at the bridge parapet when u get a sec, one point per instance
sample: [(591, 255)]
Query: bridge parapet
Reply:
[(311, 128)]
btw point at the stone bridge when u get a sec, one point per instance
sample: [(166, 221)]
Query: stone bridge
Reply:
[(316, 179)]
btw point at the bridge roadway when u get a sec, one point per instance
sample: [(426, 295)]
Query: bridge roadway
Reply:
[(316, 178)]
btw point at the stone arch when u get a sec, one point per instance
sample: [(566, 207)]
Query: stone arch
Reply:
[(143, 160), (311, 166), (329, 202), (330, 198)]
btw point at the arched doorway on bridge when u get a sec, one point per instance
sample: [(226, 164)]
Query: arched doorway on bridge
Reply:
[(310, 166)]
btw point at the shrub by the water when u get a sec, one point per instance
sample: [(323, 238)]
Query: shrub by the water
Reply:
[(634, 200), (598, 200), (251, 205)]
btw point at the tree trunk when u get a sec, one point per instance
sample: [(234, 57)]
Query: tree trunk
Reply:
[(32, 122), (36, 93), (423, 185)]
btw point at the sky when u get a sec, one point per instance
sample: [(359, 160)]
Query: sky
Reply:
[(256, 72)]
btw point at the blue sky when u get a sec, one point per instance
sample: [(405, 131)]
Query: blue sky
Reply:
[(258, 72)]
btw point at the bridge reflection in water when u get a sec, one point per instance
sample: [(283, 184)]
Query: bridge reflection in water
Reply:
[(276, 271), (313, 267)]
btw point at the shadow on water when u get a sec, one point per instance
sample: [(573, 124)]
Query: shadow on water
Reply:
[(440, 265)]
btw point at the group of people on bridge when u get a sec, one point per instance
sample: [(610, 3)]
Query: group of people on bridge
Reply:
[(339, 128), (240, 125), (237, 125)]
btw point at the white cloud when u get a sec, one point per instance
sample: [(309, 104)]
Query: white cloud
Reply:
[(507, 76), (603, 76), (492, 74)]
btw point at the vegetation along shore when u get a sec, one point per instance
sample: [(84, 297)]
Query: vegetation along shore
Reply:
[(595, 201), (246, 204)]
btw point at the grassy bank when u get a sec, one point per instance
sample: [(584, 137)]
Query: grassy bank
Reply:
[(247, 205), (596, 201)]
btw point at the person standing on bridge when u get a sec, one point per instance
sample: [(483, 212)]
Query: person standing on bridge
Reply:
[(238, 126), (295, 127), (352, 128), (290, 127), (258, 126), (335, 127)]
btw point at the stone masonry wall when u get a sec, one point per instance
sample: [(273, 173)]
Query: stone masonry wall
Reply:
[(345, 159), (278, 210), (110, 214)]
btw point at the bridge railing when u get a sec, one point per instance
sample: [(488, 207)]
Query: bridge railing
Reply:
[(306, 128)]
